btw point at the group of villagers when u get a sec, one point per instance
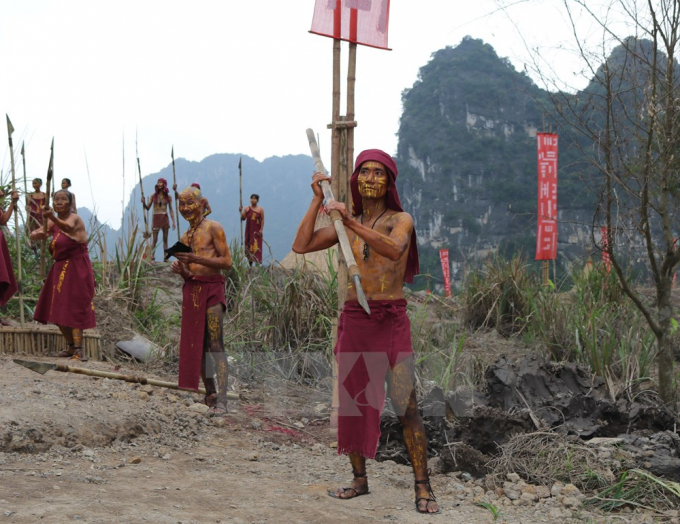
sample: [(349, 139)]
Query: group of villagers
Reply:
[(371, 351)]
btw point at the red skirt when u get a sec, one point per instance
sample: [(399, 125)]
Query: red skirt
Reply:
[(198, 294), (67, 297), (368, 347), (8, 284)]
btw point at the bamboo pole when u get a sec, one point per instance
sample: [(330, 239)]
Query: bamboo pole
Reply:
[(335, 161), (43, 244), (147, 235), (42, 367), (351, 83), (27, 222), (174, 181), (10, 130), (240, 199)]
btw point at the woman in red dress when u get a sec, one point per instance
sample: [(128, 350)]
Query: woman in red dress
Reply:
[(8, 284), (66, 298), (254, 217)]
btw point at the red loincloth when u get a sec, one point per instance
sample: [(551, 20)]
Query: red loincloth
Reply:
[(8, 284), (160, 221), (198, 294), (66, 298), (367, 347), (253, 238)]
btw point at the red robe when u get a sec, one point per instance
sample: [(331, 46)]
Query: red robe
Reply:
[(8, 284), (253, 239), (35, 217), (367, 347), (66, 298), (198, 294)]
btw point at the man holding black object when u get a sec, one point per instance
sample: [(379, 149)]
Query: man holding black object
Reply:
[(202, 254)]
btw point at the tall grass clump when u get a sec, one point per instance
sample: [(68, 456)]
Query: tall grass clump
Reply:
[(595, 324), (438, 341), (499, 295)]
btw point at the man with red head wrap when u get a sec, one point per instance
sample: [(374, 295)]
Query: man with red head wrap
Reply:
[(160, 200), (376, 347)]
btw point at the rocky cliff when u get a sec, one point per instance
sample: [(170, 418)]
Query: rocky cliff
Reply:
[(467, 155)]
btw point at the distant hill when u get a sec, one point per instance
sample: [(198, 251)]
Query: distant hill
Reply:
[(281, 182), (467, 160)]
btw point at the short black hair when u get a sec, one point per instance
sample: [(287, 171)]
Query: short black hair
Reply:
[(68, 181), (68, 194), (256, 197), (38, 180)]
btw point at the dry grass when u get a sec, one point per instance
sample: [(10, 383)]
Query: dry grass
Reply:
[(544, 457)]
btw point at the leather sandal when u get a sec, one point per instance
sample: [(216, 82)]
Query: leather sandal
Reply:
[(78, 354), (429, 498), (68, 352), (332, 493)]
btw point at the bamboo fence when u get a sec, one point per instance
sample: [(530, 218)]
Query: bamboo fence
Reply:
[(44, 341)]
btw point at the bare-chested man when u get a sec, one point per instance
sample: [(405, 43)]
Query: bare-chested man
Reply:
[(203, 302), (161, 201), (375, 348)]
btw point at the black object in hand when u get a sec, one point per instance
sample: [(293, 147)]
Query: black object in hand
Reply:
[(177, 248)]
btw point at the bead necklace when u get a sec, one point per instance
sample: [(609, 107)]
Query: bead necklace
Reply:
[(374, 223)]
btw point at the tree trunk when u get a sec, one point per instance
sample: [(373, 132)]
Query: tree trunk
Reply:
[(665, 356)]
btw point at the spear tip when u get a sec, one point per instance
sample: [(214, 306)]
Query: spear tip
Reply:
[(172, 153), (10, 127), (22, 149)]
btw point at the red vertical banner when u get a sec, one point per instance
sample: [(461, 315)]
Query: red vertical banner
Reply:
[(546, 236), (360, 21), (446, 269), (605, 249)]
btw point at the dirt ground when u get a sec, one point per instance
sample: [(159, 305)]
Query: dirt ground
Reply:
[(98, 450)]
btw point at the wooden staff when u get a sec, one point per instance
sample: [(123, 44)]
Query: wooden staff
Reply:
[(174, 181), (43, 244), (336, 218), (10, 130), (240, 196), (44, 367)]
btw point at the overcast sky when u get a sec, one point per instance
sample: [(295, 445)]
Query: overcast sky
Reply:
[(219, 76)]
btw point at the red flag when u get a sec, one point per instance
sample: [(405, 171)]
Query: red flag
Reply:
[(546, 237), (359, 21), (446, 269)]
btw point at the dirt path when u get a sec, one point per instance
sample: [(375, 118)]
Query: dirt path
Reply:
[(77, 448)]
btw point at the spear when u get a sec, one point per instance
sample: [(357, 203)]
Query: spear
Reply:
[(27, 218), (10, 130), (44, 367), (240, 195), (50, 173), (352, 267), (147, 235), (174, 181), (23, 160)]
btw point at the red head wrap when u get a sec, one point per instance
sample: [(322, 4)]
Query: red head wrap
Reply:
[(165, 191), (376, 155), (196, 185)]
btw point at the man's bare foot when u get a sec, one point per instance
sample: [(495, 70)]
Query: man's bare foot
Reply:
[(359, 487), (425, 499)]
